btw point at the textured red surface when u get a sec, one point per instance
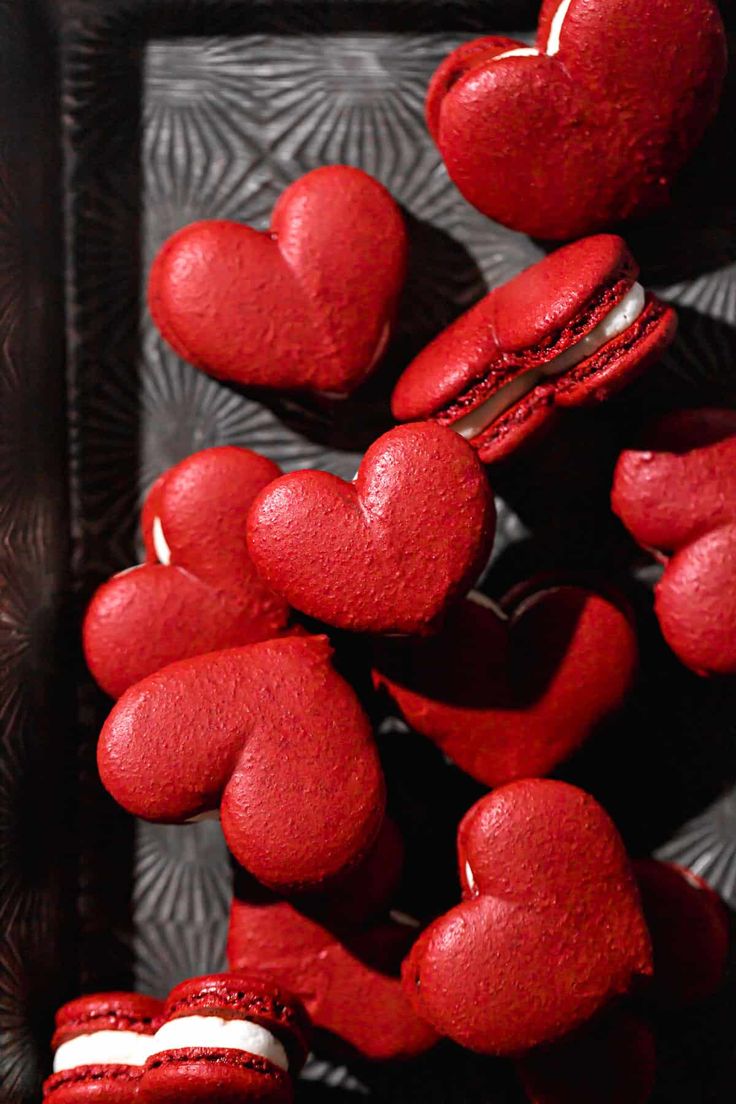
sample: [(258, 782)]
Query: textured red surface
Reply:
[(559, 146), (114, 1084), (676, 494), (613, 1061), (689, 927), (512, 698), (388, 552), (209, 597), (308, 305), (524, 324), (210, 1075), (551, 929), (349, 983), (272, 735)]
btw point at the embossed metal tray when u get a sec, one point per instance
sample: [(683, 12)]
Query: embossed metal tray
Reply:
[(174, 110)]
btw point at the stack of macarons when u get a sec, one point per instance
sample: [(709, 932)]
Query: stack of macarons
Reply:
[(225, 650)]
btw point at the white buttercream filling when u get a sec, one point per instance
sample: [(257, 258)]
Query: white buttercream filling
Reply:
[(160, 543), (470, 878), (212, 1031), (553, 42), (623, 315), (103, 1048)]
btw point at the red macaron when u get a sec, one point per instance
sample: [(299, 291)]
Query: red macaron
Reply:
[(347, 977), (100, 1045), (272, 736), (550, 931), (226, 1039), (308, 305), (568, 331), (676, 494), (512, 694), (590, 125), (198, 590), (388, 552)]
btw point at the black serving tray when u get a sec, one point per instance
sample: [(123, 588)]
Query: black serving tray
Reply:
[(120, 121)]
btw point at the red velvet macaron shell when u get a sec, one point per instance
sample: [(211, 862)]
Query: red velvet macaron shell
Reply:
[(696, 603), (198, 590), (269, 733), (309, 305), (93, 1070), (462, 60), (515, 335), (349, 983), (512, 697), (676, 494), (365, 892), (680, 482), (388, 552), (560, 139), (227, 1038), (551, 930), (689, 926), (611, 1061)]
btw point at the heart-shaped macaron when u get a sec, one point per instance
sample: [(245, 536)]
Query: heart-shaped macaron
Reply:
[(590, 125), (570, 330), (349, 982), (551, 930), (308, 305), (269, 734), (198, 590), (676, 494), (387, 552), (510, 697)]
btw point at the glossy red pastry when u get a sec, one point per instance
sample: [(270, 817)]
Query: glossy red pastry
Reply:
[(611, 1061), (100, 1045), (308, 305), (198, 590), (590, 125), (226, 1039), (676, 494), (689, 927), (269, 734), (551, 929), (510, 697), (387, 552), (570, 330), (349, 981)]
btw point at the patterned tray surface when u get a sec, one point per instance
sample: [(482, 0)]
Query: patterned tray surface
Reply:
[(210, 110)]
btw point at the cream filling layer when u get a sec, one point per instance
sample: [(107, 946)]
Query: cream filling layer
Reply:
[(213, 1031), (470, 878), (103, 1048), (160, 543), (623, 315), (553, 42)]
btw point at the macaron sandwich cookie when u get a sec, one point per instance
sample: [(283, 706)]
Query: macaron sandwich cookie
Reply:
[(568, 331), (100, 1046), (226, 1039)]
